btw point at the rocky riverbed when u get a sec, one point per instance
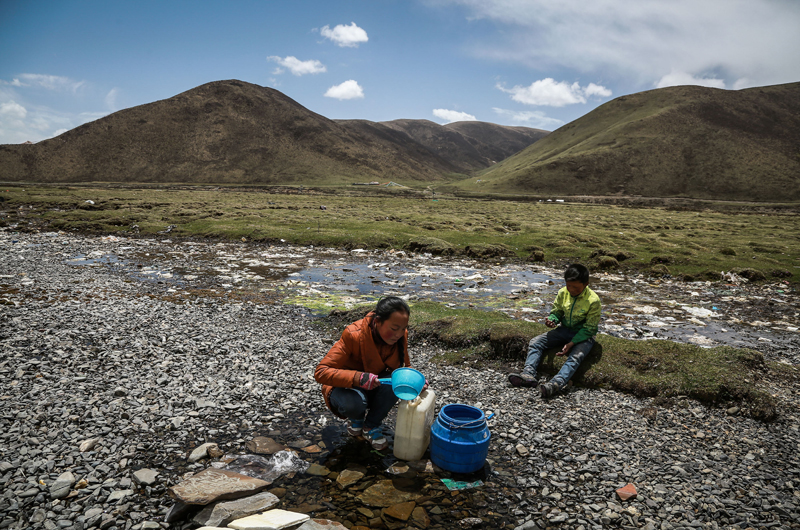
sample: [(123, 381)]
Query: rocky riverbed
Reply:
[(105, 374)]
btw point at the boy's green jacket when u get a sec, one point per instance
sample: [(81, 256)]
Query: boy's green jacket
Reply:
[(580, 314)]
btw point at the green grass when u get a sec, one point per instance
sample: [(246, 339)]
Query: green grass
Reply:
[(664, 370), (688, 244)]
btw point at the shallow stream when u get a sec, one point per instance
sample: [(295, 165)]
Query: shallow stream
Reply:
[(702, 313)]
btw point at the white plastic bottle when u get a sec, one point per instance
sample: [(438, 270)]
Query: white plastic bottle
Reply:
[(412, 434)]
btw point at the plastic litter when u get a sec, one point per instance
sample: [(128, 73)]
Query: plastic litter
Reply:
[(268, 469), (457, 485)]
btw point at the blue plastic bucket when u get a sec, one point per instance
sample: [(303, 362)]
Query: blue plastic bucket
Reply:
[(460, 438), (406, 383)]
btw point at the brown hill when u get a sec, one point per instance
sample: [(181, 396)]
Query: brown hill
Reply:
[(226, 132), (683, 141), (468, 145)]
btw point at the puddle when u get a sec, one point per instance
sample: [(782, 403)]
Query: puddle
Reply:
[(321, 279)]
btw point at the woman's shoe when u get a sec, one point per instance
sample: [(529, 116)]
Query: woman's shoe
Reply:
[(376, 438), (355, 428)]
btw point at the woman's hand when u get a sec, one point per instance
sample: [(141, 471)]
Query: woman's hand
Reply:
[(368, 381)]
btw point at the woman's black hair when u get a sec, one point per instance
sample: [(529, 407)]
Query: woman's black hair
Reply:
[(388, 305), (385, 308), (577, 273)]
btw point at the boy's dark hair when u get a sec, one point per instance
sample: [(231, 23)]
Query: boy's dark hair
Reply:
[(577, 273)]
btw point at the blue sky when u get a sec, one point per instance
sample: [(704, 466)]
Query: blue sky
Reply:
[(536, 63)]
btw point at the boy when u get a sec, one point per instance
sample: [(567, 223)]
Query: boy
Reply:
[(577, 309)]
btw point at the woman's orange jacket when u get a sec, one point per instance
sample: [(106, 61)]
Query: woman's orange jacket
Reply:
[(354, 353)]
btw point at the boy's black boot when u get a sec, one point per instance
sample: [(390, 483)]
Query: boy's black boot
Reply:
[(549, 389), (522, 379)]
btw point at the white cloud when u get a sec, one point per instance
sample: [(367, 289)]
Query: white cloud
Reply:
[(346, 36), (111, 99), (347, 90), (550, 93), (683, 78), (49, 82), (11, 110), (529, 118), (296, 66), (449, 116), (643, 41)]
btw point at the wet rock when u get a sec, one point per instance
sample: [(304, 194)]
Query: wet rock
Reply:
[(470, 522), (318, 470), (384, 494), (400, 511), (215, 484), (321, 524), (349, 477), (271, 520), (420, 517), (222, 513), (262, 445)]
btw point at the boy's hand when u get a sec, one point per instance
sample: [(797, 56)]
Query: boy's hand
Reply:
[(549, 323), (565, 350)]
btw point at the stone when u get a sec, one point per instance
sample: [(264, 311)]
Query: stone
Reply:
[(145, 477), (420, 517), (261, 445), (349, 477), (383, 494), (62, 486), (321, 524), (271, 520), (88, 445), (223, 512), (627, 492), (470, 522), (522, 450), (318, 470), (178, 511), (202, 451), (118, 495), (92, 517), (401, 511), (214, 485)]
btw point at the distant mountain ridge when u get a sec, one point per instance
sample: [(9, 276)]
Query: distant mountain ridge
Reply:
[(685, 141), (239, 133)]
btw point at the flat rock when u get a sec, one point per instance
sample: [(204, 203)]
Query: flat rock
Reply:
[(222, 513), (349, 477), (627, 492), (62, 486), (384, 494), (261, 445), (215, 484), (318, 470), (401, 511), (271, 520), (118, 495), (202, 451), (321, 524), (145, 477)]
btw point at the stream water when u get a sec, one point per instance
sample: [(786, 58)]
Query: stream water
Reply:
[(703, 313)]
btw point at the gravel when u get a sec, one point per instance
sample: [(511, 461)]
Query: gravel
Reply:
[(109, 383)]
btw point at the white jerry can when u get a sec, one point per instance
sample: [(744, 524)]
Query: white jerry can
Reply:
[(412, 434)]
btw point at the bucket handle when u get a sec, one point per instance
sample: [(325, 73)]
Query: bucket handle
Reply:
[(470, 423)]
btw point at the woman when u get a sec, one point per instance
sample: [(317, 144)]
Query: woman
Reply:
[(368, 349)]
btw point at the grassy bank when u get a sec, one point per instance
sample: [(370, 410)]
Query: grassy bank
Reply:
[(688, 244), (664, 370)]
